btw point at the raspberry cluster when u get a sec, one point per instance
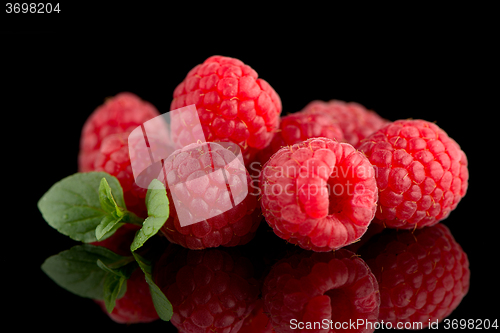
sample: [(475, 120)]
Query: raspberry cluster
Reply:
[(319, 178)]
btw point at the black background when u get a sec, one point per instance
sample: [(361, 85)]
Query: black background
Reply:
[(56, 70)]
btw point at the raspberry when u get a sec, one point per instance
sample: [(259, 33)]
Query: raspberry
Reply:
[(212, 202), (136, 305), (233, 105), (423, 275), (355, 121), (334, 287), (298, 127), (319, 194), (104, 144), (421, 173), (119, 114), (210, 291)]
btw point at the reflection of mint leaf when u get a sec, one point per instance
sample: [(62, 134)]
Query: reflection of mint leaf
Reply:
[(162, 305), (77, 270), (114, 288), (158, 212), (73, 207)]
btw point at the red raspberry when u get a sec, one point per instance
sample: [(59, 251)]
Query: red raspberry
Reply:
[(319, 194), (118, 114), (298, 127), (421, 173), (321, 287), (423, 275), (211, 198), (104, 144), (233, 105), (354, 119), (136, 305), (210, 291)]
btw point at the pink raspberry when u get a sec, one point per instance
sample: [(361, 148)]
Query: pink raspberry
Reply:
[(298, 127), (233, 105), (355, 121), (211, 198), (334, 287), (421, 173), (210, 291), (319, 194), (423, 274)]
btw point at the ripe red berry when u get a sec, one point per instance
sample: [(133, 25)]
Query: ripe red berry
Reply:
[(423, 275), (421, 173), (210, 290), (119, 114), (355, 121), (319, 194), (233, 105), (211, 198), (333, 288), (104, 144)]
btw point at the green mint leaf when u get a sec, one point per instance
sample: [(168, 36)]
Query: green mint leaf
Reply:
[(158, 212), (108, 203), (162, 305), (77, 271), (114, 288), (73, 207), (108, 226)]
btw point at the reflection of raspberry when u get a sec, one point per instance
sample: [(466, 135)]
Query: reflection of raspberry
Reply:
[(354, 119), (210, 291), (211, 199), (298, 127), (233, 104), (136, 305), (421, 173), (321, 287), (423, 275), (257, 321), (119, 114), (319, 194)]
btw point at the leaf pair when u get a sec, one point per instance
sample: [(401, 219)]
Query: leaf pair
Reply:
[(89, 207)]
